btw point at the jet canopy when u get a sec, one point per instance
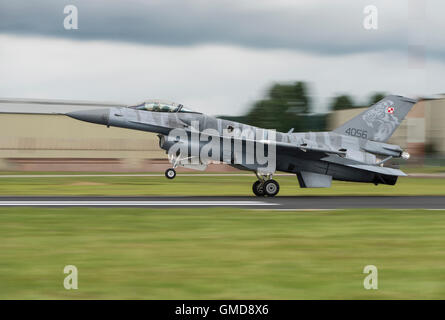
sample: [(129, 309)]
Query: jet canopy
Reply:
[(161, 106)]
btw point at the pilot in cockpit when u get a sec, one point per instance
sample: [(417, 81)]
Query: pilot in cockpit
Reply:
[(155, 106)]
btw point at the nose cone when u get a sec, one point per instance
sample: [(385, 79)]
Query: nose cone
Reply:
[(99, 116)]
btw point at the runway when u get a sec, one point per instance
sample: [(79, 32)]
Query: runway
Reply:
[(18, 176), (280, 203)]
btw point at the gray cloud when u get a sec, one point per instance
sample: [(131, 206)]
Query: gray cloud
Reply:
[(326, 27), (214, 79)]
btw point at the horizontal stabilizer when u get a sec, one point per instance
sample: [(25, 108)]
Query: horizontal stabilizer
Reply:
[(363, 166), (378, 169)]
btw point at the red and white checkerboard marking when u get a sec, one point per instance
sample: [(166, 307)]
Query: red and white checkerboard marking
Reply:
[(390, 110)]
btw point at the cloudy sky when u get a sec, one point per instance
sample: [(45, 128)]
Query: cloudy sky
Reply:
[(219, 56)]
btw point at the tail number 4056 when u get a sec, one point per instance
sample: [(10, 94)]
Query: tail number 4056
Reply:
[(357, 133)]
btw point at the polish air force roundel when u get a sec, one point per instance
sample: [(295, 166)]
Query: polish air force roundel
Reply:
[(389, 109)]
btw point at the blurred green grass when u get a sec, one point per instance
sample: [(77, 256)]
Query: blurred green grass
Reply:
[(203, 186), (223, 253)]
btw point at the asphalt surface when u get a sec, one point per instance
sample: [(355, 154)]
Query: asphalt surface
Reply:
[(297, 202), (8, 176)]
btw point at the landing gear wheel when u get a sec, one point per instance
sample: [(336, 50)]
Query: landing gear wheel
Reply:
[(271, 188), (170, 173), (258, 189)]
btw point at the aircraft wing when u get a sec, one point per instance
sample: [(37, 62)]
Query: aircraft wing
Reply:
[(364, 166), (34, 106), (285, 146), (333, 157), (305, 148)]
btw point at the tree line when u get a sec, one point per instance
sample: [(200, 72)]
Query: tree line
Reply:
[(289, 106)]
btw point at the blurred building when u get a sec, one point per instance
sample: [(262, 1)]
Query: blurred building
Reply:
[(422, 133), (56, 142), (39, 139)]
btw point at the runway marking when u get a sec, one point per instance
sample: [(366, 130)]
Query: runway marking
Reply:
[(285, 203), (133, 203)]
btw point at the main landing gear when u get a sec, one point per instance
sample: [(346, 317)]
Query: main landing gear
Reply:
[(170, 173), (265, 187)]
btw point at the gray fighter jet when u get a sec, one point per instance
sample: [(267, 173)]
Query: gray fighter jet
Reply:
[(356, 151)]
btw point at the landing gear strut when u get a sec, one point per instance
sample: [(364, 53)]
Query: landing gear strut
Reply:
[(170, 173), (265, 186)]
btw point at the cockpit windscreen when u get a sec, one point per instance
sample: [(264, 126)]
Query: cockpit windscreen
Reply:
[(161, 106)]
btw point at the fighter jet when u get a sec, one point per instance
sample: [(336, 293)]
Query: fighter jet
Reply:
[(357, 151)]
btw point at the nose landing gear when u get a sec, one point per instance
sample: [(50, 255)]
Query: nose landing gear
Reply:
[(170, 173)]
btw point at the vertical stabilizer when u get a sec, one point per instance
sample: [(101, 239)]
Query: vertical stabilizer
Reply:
[(379, 121)]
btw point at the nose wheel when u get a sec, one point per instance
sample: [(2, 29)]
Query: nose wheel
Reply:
[(170, 173), (269, 188)]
